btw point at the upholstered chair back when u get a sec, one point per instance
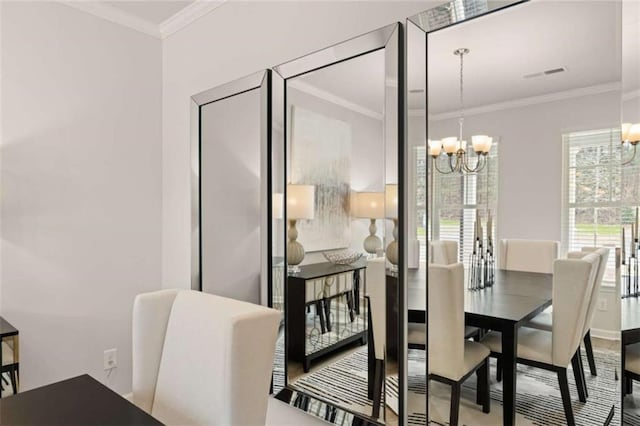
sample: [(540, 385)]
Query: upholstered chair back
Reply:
[(443, 252), (199, 358), (573, 281), (376, 276), (602, 266), (446, 320), (528, 255)]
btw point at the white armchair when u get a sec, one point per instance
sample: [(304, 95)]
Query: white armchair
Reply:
[(528, 255), (202, 359)]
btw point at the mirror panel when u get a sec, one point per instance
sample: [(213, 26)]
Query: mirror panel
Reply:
[(543, 80), (630, 309), (221, 117), (335, 227)]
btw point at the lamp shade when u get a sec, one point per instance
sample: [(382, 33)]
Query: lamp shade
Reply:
[(625, 131), (368, 205), (301, 201), (391, 201)]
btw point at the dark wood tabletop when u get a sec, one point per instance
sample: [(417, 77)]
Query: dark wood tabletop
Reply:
[(78, 401), (324, 269), (6, 329)]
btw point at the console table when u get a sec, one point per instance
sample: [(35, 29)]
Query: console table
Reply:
[(9, 331), (318, 284)]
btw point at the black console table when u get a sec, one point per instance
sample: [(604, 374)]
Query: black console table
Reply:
[(306, 343)]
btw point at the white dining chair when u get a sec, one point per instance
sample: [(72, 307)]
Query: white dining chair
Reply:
[(441, 252), (573, 281), (375, 277), (544, 320), (528, 255), (453, 359), (202, 359)]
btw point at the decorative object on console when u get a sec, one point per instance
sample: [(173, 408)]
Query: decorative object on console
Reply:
[(391, 212), (321, 156), (300, 205), (456, 145), (369, 205), (345, 257), (630, 270), (631, 136), (482, 265)]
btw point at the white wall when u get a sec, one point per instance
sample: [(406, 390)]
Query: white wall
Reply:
[(238, 39), (81, 195), (530, 164)]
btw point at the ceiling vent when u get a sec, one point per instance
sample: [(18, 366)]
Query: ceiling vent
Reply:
[(545, 72)]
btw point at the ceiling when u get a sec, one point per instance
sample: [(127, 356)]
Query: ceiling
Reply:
[(154, 12), (504, 47)]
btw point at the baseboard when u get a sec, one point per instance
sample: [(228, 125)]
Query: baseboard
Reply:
[(605, 334), (128, 396)]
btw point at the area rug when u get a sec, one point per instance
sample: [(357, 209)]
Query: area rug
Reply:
[(538, 396)]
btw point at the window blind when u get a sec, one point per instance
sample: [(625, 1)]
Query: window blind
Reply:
[(593, 204)]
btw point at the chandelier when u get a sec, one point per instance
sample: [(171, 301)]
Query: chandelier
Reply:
[(455, 148), (631, 136)]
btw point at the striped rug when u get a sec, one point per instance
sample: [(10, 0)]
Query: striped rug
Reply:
[(538, 395)]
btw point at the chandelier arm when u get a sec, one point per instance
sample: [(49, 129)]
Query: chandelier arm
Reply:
[(633, 156), (435, 164), (480, 163)]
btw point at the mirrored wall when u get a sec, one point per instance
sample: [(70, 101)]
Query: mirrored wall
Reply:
[(521, 155), (337, 227)]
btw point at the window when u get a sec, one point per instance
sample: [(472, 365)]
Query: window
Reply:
[(456, 197), (593, 205)]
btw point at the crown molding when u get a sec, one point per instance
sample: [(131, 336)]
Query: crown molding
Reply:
[(186, 16), (524, 102), (115, 15), (330, 97)]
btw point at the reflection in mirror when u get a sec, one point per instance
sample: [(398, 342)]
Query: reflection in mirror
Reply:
[(543, 80), (338, 217), (222, 117), (630, 286)]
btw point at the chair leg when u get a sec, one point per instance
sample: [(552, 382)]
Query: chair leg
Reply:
[(320, 313), (327, 310), (14, 383), (566, 396), (499, 369), (483, 394), (578, 375), (455, 404), (584, 378), (589, 349)]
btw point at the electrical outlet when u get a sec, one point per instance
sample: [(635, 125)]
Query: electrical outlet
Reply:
[(602, 305), (110, 359)]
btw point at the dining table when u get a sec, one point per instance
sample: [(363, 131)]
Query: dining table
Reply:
[(513, 300), (79, 401)]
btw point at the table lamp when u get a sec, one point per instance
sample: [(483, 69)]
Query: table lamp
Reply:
[(391, 212), (369, 205), (300, 205)]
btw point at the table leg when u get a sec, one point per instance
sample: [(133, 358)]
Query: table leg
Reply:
[(509, 358)]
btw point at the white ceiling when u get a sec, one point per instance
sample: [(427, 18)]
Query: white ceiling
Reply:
[(504, 47), (154, 12)]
